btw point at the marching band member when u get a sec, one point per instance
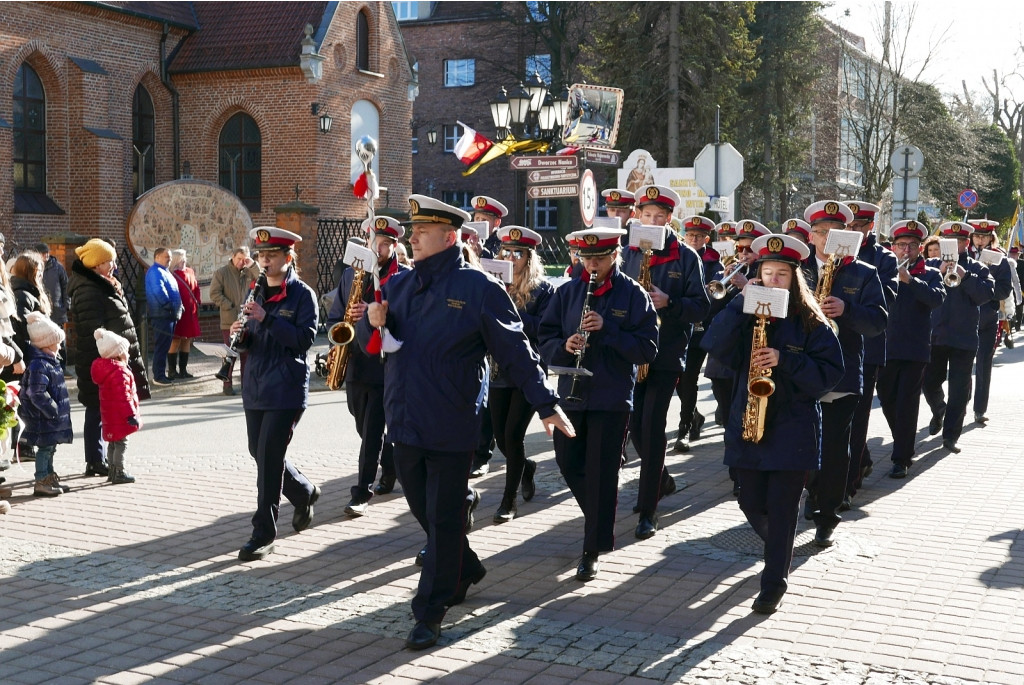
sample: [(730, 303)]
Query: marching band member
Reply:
[(874, 346), (983, 238), (448, 315), (919, 291), (280, 327), (364, 376), (806, 362), (955, 337), (799, 229), (510, 412), (603, 322), (856, 302), (491, 212)]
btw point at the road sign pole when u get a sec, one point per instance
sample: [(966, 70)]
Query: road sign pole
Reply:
[(718, 142), (906, 178)]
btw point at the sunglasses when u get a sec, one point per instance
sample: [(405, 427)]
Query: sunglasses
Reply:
[(514, 254), (743, 249)]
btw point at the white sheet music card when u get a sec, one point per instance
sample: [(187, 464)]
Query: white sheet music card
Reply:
[(725, 248), (498, 268), (758, 300), (359, 256), (949, 250), (607, 222), (990, 257), (480, 227), (843, 243), (647, 237)]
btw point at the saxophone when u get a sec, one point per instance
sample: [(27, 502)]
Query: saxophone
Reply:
[(341, 336), (645, 282), (759, 382), (824, 287)]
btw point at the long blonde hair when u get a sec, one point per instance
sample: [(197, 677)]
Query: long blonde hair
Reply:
[(801, 299), (525, 281)]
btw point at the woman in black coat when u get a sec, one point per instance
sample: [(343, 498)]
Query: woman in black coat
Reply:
[(97, 301)]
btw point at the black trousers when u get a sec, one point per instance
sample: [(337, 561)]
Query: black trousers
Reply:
[(899, 390), (771, 502), (590, 465), (828, 486), (688, 380), (958, 362), (983, 366), (859, 454), (647, 425), (435, 484), (366, 404), (510, 417), (269, 433)]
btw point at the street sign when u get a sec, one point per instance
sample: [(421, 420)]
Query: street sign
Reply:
[(968, 198), (719, 174), (907, 160), (899, 212), (912, 186), (552, 175), (608, 157), (588, 198), (550, 192), (522, 162), (720, 205)]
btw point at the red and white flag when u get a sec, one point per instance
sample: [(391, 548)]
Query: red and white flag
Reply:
[(471, 145)]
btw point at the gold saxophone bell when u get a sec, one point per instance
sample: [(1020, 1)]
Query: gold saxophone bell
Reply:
[(341, 333), (341, 336), (761, 386)]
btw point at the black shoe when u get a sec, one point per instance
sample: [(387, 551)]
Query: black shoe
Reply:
[(185, 375), (386, 485), (698, 423), (810, 505), (846, 503), (303, 516), (254, 550), (1008, 341), (935, 425), (646, 527), (979, 417), (506, 510), (97, 469), (423, 635), (463, 587), (768, 602), (951, 446), (172, 376), (160, 381), (668, 485), (356, 508), (681, 446), (823, 537), (420, 556), (898, 471), (479, 470), (588, 567), (529, 486), (121, 477), (474, 502)]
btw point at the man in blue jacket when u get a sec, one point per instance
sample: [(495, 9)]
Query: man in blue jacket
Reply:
[(163, 304), (447, 316)]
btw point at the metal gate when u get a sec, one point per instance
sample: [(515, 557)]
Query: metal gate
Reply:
[(332, 235)]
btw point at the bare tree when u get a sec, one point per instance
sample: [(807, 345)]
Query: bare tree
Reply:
[(1008, 109)]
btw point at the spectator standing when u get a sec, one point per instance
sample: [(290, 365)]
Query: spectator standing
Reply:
[(188, 325), (55, 285), (119, 400), (163, 304), (228, 290)]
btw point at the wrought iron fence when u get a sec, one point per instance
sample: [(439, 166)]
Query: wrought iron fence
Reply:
[(332, 235)]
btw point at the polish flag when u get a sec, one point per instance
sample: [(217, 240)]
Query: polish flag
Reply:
[(471, 145)]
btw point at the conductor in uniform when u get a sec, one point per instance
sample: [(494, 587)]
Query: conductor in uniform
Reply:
[(446, 316)]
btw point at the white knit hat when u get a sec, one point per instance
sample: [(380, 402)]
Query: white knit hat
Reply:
[(43, 332), (109, 344)]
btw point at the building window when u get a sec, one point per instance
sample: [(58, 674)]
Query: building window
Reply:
[(415, 142), (540, 64), (143, 142), (241, 159), (29, 132), (362, 42), (406, 11), (459, 73), (545, 215), (452, 133), (850, 169), (457, 198)]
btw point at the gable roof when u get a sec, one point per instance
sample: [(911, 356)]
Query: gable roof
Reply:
[(180, 14), (249, 35)]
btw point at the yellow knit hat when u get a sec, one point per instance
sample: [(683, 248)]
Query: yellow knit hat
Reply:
[(95, 252)]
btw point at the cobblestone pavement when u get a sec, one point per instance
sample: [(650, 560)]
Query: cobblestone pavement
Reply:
[(141, 583)]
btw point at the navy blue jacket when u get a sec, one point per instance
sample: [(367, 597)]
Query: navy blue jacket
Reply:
[(540, 297), (885, 263), (448, 315), (628, 337), (955, 323), (1002, 288), (45, 405), (715, 369), (362, 368), (163, 301), (864, 315), (908, 335), (276, 372), (810, 365), (682, 280)]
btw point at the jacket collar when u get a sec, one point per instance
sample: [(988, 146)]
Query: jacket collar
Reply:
[(88, 274)]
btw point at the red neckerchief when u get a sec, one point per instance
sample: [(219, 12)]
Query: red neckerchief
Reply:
[(280, 296), (918, 267), (601, 289), (392, 270), (846, 260), (710, 255), (672, 256)]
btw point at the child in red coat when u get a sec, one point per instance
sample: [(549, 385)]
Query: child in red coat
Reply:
[(119, 401)]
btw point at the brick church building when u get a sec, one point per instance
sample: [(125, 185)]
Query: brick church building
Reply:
[(101, 101)]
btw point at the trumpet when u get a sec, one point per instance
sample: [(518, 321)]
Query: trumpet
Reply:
[(900, 265), (239, 337), (952, 278), (720, 288)]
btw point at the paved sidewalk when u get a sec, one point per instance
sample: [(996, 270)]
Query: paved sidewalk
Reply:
[(141, 583)]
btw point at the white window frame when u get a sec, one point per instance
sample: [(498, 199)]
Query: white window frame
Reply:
[(459, 73)]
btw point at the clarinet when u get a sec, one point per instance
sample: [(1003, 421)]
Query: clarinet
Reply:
[(238, 337), (573, 397)]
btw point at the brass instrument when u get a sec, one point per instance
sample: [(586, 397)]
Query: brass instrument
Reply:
[(573, 397), (720, 288), (645, 282), (341, 336), (239, 337), (900, 265), (951, 279), (824, 288), (759, 382)]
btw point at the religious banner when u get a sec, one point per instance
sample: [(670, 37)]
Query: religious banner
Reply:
[(640, 169)]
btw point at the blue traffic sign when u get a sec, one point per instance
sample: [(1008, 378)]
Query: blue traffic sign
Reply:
[(968, 199)]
